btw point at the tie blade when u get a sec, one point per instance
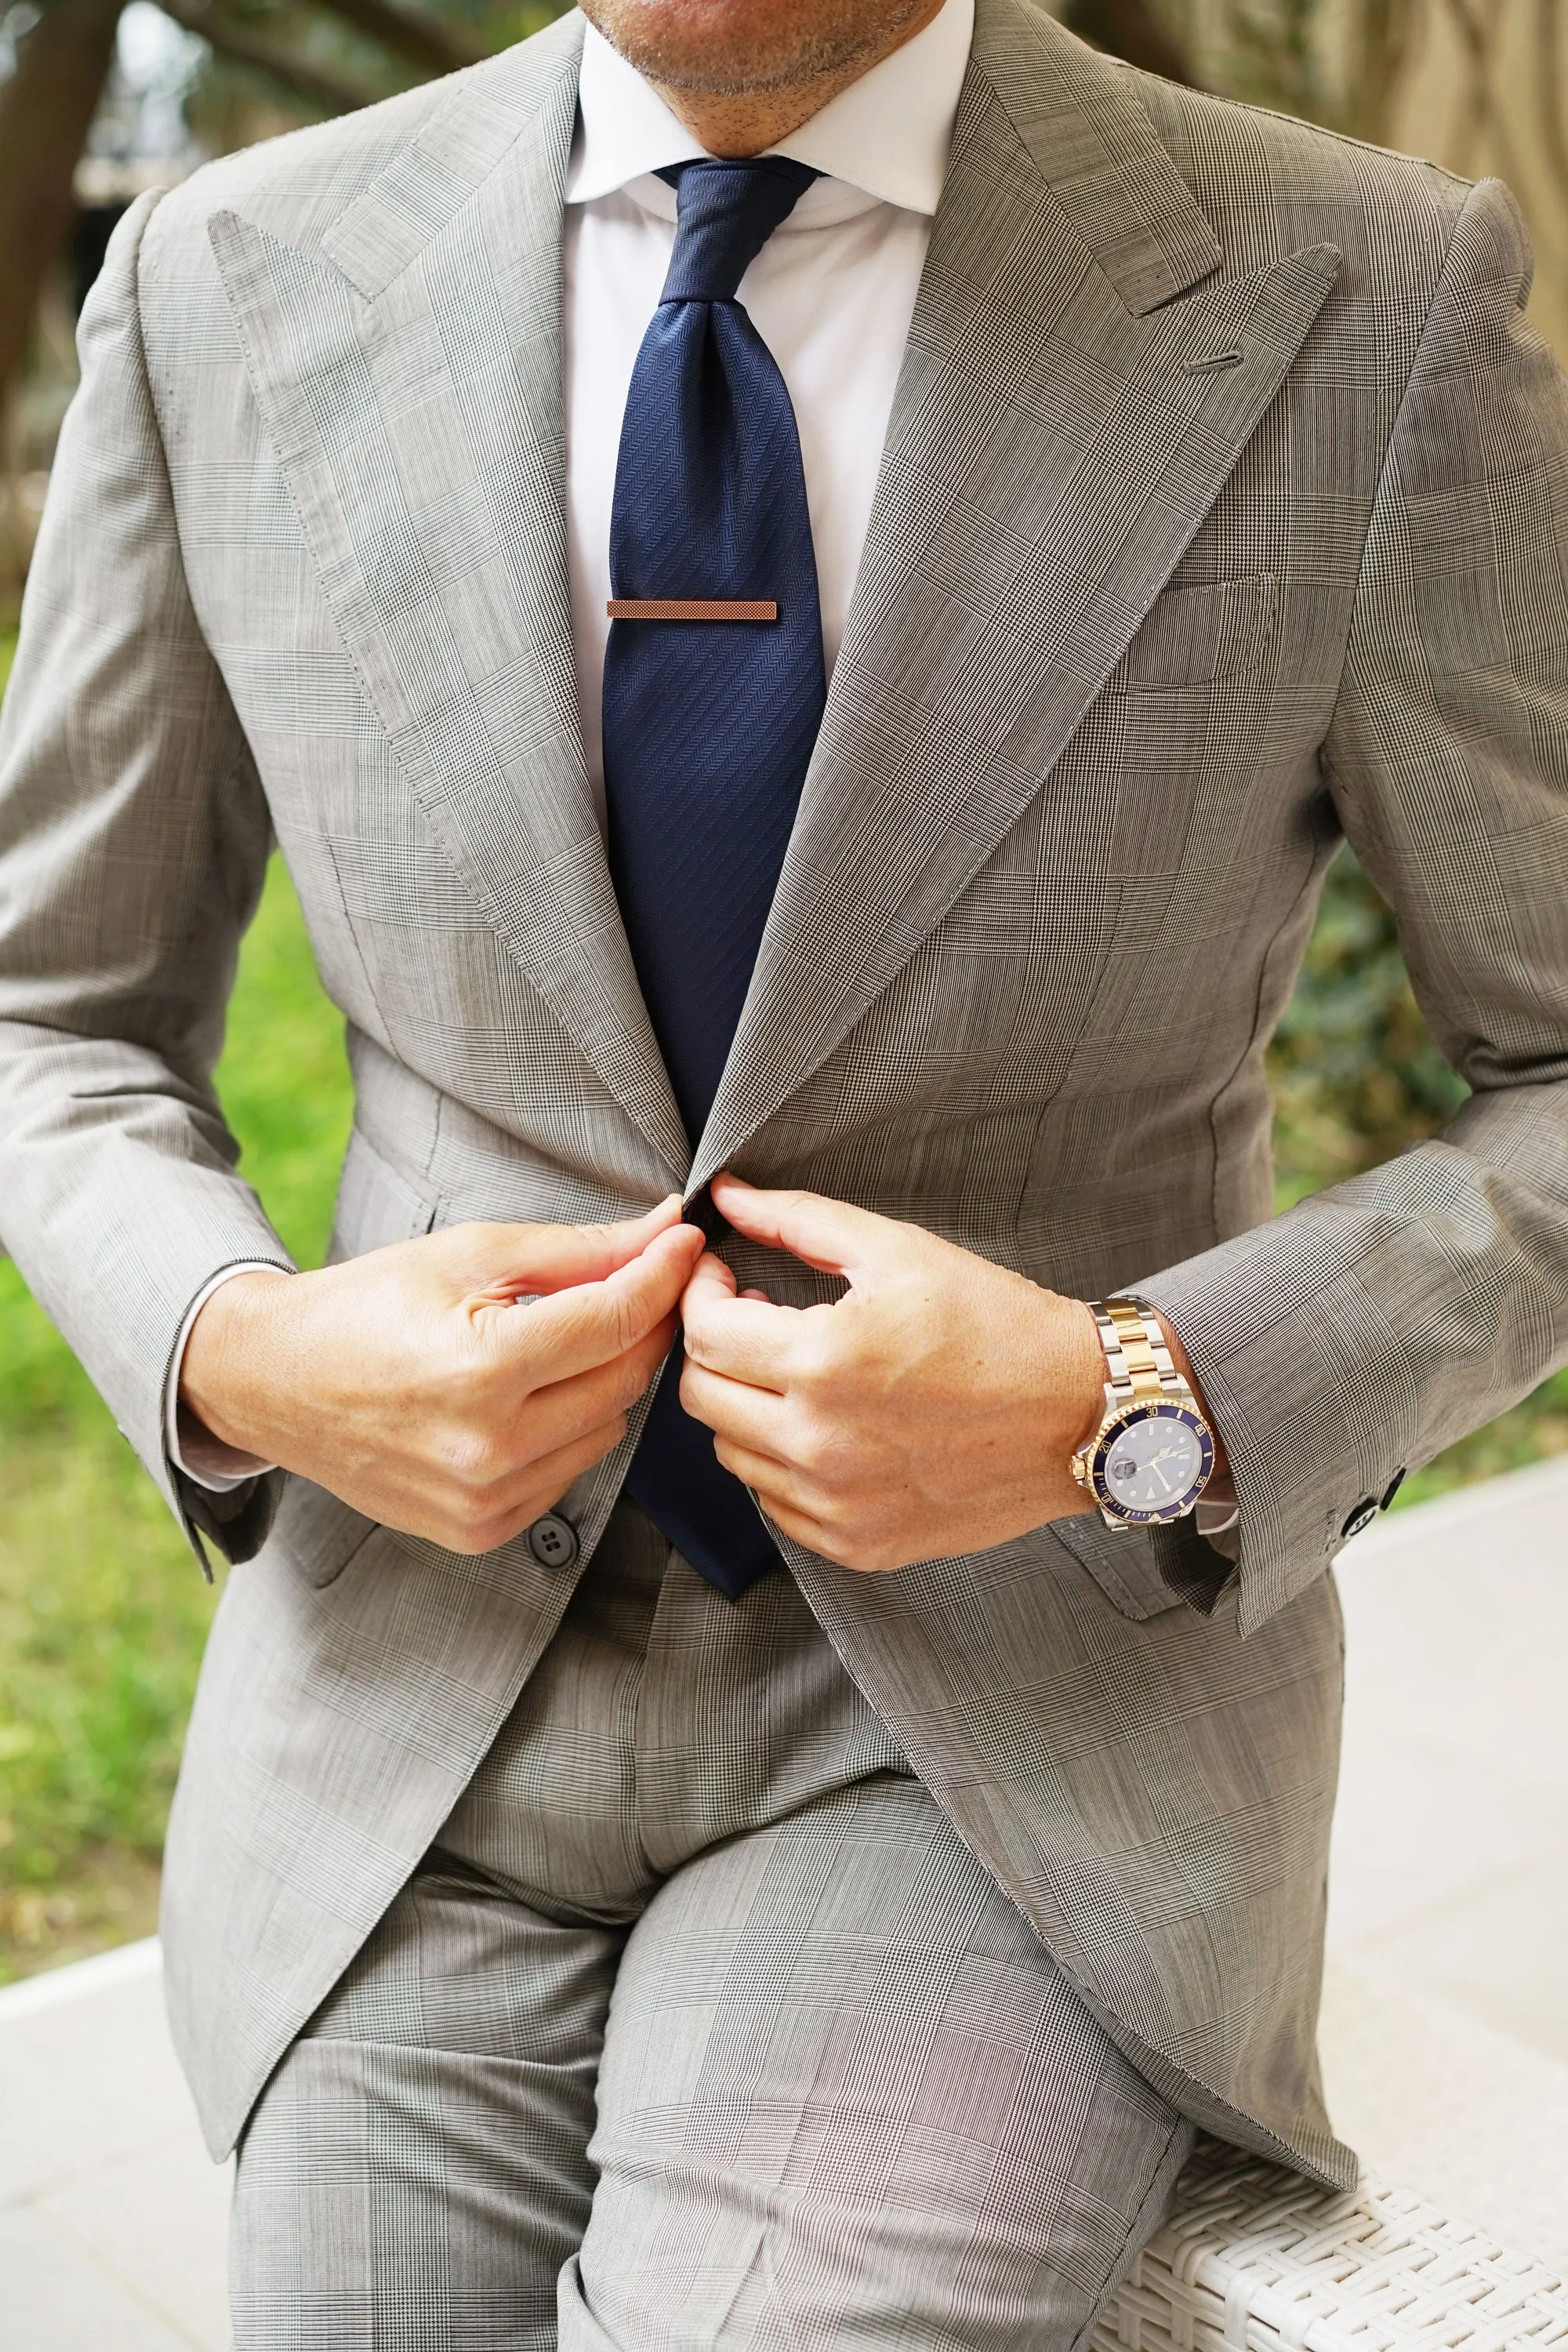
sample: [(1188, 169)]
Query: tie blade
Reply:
[(708, 730), (679, 1480)]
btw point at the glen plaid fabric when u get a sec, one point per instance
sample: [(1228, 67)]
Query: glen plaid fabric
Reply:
[(599, 2040), (709, 726), (1223, 508)]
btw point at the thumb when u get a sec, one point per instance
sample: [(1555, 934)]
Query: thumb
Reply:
[(829, 1234), (582, 1325), (710, 1282), (535, 1261)]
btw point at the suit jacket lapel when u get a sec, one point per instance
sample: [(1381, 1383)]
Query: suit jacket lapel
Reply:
[(1052, 450), (410, 375)]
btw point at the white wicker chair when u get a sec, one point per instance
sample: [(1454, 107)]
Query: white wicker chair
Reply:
[(1255, 2259)]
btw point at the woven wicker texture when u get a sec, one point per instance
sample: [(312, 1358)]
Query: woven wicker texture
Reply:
[(1257, 2258)]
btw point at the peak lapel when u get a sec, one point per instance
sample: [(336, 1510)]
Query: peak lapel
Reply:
[(1050, 455), (410, 376)]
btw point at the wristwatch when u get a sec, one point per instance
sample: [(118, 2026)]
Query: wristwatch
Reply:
[(1153, 1453)]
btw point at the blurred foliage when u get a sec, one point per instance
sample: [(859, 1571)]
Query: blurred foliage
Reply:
[(1356, 1076), (273, 64), (80, 136)]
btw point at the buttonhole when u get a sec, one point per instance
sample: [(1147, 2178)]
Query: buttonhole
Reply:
[(1212, 363)]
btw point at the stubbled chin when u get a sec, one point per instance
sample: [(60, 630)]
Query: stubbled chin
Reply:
[(735, 48)]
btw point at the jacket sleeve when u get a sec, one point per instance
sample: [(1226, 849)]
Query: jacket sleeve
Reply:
[(133, 842), (1350, 1339)]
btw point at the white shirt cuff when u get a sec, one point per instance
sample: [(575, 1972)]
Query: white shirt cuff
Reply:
[(204, 1459), (1219, 1523)]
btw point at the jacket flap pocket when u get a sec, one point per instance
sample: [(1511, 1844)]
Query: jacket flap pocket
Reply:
[(316, 1534), (1144, 1570)]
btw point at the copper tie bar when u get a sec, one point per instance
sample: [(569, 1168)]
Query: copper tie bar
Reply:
[(691, 608)]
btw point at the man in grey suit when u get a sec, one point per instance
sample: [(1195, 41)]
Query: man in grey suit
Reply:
[(581, 1951)]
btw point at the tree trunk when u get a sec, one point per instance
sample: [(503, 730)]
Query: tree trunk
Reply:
[(46, 112)]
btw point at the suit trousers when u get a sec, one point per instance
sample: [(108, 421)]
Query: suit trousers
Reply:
[(699, 2027)]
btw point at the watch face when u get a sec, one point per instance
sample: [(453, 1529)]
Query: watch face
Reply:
[(1153, 1462)]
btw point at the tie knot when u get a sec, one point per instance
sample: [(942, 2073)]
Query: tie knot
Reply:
[(725, 215)]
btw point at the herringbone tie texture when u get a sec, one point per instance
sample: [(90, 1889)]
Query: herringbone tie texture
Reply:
[(709, 725)]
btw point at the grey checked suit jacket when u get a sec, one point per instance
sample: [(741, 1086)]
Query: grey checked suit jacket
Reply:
[(1224, 507)]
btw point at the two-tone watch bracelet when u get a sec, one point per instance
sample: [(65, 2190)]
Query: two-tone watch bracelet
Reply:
[(1139, 1362)]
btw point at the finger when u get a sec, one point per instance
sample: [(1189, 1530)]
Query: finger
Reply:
[(784, 1501), (552, 1416), (710, 1283), (829, 1234), (602, 1250), (801, 1529), (746, 1338), (741, 1415), (490, 1457), (593, 1323), (538, 1260), (792, 1516), (546, 1481), (769, 1480)]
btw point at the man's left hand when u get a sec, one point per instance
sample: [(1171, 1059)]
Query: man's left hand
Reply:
[(931, 1411)]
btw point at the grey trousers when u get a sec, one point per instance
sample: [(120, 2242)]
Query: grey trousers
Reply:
[(698, 2028)]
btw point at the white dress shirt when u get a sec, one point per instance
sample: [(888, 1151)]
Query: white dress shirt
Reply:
[(831, 294)]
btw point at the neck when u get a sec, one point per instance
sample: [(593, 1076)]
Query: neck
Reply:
[(737, 124)]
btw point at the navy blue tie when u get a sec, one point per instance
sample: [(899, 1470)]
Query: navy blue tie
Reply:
[(708, 724)]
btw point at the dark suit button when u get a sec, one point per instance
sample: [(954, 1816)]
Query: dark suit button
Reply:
[(1398, 1481), (1361, 1516), (552, 1540)]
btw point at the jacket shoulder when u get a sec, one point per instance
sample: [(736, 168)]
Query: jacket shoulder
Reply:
[(297, 186), (1271, 183)]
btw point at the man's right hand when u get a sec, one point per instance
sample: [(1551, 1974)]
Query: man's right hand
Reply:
[(410, 1383)]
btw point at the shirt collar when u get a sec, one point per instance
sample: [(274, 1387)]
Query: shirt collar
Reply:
[(888, 135)]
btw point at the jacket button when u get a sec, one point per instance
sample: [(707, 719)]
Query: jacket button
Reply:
[(1361, 1516), (552, 1540)]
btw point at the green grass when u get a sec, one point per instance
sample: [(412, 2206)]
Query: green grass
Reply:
[(102, 1612)]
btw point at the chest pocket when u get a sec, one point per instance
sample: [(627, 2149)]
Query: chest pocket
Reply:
[(1199, 636), (1181, 725)]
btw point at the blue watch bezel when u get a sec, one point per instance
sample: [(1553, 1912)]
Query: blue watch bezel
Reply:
[(1150, 1409)]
